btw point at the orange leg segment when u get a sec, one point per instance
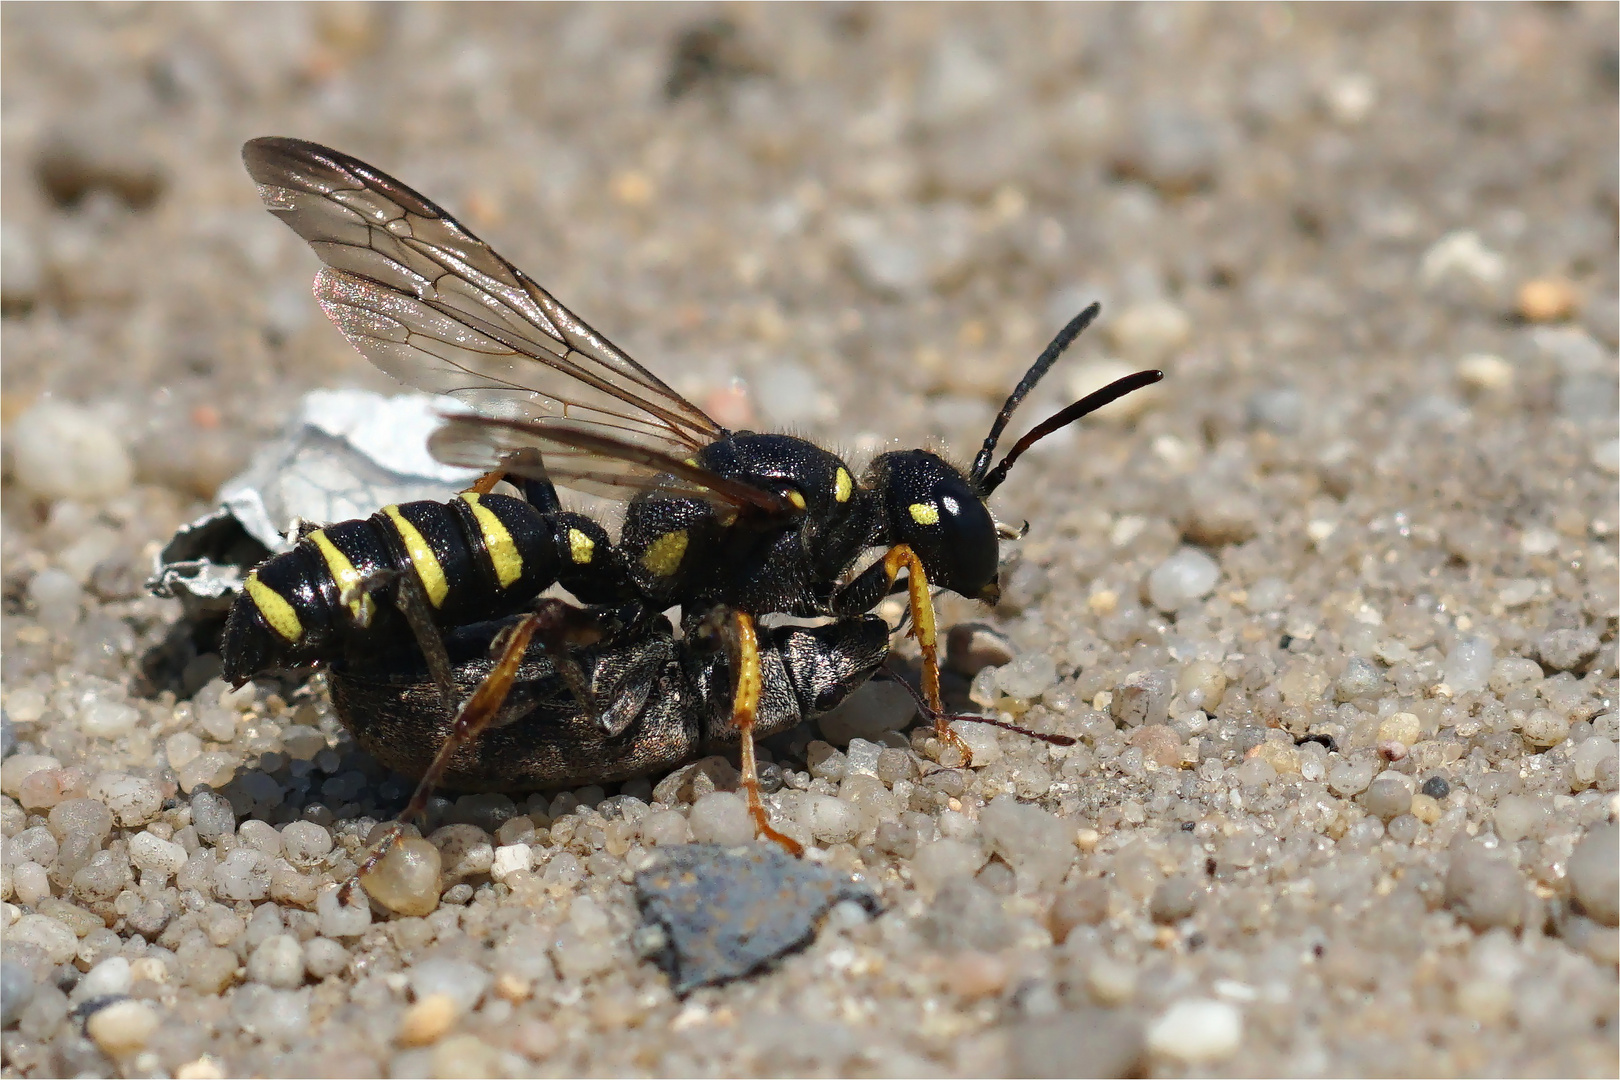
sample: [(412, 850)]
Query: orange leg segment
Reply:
[(744, 641), (925, 630), (486, 483)]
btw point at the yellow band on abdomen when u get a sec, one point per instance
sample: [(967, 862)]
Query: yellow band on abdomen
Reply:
[(503, 553), (280, 614), (346, 576), (422, 557)]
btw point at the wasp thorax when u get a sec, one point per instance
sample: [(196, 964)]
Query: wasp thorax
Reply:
[(929, 505)]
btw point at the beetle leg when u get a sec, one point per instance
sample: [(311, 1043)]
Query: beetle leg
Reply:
[(562, 629), (927, 710)]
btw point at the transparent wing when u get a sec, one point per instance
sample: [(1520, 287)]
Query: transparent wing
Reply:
[(590, 460), (435, 307)]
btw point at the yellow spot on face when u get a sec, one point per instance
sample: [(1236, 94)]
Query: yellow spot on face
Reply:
[(503, 553), (664, 555), (346, 576), (275, 609), (580, 546), (796, 499), (843, 486), (434, 583), (924, 513)]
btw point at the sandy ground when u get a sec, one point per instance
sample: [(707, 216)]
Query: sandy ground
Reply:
[(1332, 612)]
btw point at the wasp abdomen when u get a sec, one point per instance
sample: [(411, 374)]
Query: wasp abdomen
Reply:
[(292, 609), (475, 557)]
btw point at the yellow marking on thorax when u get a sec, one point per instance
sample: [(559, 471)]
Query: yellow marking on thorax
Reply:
[(427, 565), (663, 556), (280, 614), (924, 513), (843, 485), (580, 546), (503, 552), (796, 499), (347, 577)]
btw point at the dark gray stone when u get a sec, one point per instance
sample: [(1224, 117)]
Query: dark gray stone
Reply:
[(712, 914)]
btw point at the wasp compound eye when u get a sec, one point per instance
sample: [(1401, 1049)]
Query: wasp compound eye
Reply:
[(932, 508)]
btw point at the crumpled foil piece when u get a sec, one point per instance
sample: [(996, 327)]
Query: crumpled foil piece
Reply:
[(345, 454), (711, 913)]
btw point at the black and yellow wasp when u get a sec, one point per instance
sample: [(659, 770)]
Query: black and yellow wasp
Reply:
[(728, 525)]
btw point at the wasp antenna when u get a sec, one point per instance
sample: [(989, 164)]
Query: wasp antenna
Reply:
[(1063, 418), (1037, 370)]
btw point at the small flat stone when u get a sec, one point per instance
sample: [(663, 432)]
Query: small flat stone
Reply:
[(1548, 299), (1484, 889), (339, 920), (728, 912), (16, 990), (429, 1020), (971, 647), (1594, 873), (462, 982), (1197, 1031), (1028, 676), (1185, 576), (406, 880), (874, 708), (123, 1027), (1567, 650), (721, 817), (1175, 899), (1089, 1042)]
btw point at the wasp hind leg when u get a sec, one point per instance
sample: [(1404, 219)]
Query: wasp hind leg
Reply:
[(557, 626), (742, 640), (472, 719)]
